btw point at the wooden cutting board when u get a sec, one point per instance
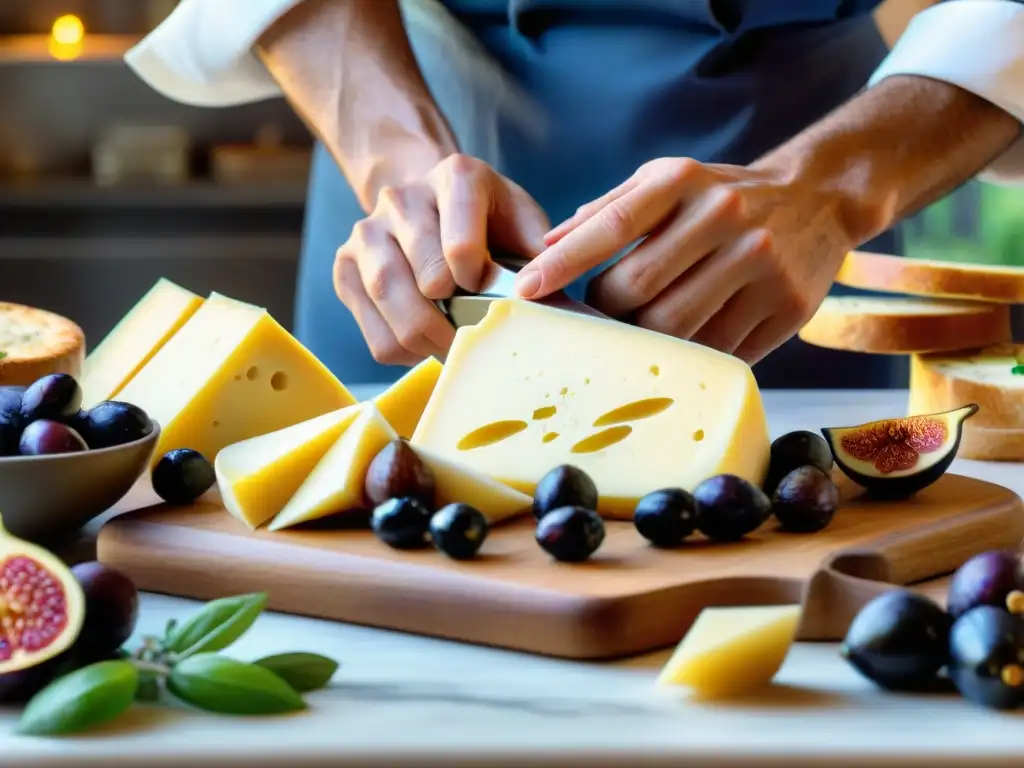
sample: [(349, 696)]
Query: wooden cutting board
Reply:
[(630, 598)]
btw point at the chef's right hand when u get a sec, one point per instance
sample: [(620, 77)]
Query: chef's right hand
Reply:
[(423, 240)]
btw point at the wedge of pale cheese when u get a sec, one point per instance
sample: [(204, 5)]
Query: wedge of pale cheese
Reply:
[(231, 373), (455, 483), (336, 484), (732, 651), (531, 387), (256, 477), (133, 342), (403, 402)]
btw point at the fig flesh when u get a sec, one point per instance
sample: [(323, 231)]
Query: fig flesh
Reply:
[(896, 458), (42, 605)]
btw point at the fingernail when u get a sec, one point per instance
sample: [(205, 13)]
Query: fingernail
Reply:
[(527, 283)]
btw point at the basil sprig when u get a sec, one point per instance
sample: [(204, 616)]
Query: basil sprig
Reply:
[(186, 664)]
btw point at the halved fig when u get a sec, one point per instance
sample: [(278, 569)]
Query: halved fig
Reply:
[(896, 458), (42, 605)]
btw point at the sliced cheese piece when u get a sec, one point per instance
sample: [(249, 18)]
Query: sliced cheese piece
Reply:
[(35, 343), (731, 651), (927, 277), (456, 483), (944, 382), (897, 326), (135, 339), (531, 387), (403, 402), (336, 483), (982, 444), (231, 373), (256, 477)]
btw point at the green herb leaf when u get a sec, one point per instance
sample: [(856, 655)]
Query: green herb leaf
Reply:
[(221, 684), (1018, 370), (2, 354), (81, 700), (302, 671), (216, 625)]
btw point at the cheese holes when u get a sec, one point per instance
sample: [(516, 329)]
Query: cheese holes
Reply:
[(601, 440), (698, 435), (655, 370), (489, 434), (639, 409), (253, 373), (545, 412), (279, 381), (549, 437)]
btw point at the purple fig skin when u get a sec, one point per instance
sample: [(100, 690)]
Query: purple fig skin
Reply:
[(111, 609), (985, 579)]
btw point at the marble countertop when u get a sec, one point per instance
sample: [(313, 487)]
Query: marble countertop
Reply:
[(411, 701)]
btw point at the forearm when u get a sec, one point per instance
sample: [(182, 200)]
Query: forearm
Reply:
[(348, 70), (894, 149)]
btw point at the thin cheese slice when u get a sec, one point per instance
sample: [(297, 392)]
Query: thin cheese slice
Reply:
[(336, 483), (256, 477), (231, 373), (730, 651), (455, 483), (531, 387), (403, 402), (139, 335)]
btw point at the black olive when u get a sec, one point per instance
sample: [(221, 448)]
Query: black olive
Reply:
[(182, 476), (986, 647), (458, 530), (988, 578), (570, 534), (797, 449), (805, 500), (729, 507), (402, 523), (666, 517), (899, 641), (564, 486), (54, 397)]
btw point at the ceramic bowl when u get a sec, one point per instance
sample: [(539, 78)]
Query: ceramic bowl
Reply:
[(45, 499)]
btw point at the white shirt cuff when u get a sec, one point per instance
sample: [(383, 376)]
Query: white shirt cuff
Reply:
[(202, 53), (977, 45)]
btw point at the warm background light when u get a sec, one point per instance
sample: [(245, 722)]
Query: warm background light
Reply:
[(68, 30)]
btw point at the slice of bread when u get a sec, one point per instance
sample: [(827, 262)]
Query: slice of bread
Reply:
[(34, 343), (983, 444), (898, 326), (946, 381), (922, 277)]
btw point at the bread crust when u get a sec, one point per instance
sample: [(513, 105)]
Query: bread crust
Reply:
[(981, 444), (895, 274), (36, 343), (896, 333), (932, 390)]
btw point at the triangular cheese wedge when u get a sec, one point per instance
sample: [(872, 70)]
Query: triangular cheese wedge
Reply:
[(456, 483), (256, 477), (730, 651), (403, 402), (336, 483)]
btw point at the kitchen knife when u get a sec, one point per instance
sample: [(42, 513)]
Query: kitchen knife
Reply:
[(466, 308)]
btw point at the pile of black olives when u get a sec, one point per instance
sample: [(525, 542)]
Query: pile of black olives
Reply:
[(903, 641), (47, 418), (798, 491), (401, 488)]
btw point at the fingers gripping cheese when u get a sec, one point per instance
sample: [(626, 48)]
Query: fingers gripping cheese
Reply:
[(531, 387)]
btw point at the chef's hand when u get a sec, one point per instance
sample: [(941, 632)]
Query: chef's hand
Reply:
[(733, 258), (420, 242)]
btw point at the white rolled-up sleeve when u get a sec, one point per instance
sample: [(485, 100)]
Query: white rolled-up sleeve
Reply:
[(977, 45), (202, 53)]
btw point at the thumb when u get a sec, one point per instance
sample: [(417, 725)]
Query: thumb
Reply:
[(518, 223)]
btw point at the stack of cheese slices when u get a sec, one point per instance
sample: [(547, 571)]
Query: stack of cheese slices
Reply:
[(954, 323)]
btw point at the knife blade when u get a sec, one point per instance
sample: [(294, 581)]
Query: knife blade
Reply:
[(466, 308)]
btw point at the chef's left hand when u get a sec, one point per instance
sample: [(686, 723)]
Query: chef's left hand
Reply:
[(734, 258)]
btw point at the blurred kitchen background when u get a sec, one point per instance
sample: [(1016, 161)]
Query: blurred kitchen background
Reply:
[(105, 185)]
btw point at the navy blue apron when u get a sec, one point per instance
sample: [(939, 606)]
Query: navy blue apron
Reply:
[(570, 97)]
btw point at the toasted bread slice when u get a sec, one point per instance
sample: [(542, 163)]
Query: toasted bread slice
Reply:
[(902, 325), (983, 444), (985, 376), (34, 343), (941, 279)]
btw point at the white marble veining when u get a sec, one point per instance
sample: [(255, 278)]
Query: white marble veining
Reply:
[(411, 701)]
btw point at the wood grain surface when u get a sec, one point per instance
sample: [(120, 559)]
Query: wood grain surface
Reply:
[(630, 598)]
